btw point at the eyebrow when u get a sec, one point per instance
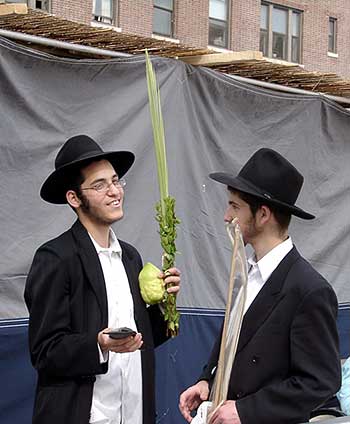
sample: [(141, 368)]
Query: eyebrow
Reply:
[(100, 180), (233, 203)]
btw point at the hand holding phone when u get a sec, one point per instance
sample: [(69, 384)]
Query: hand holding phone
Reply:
[(120, 333)]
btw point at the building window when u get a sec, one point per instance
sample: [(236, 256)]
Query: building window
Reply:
[(280, 32), (103, 11), (218, 23), (163, 11), (296, 41), (39, 4), (332, 35), (264, 29)]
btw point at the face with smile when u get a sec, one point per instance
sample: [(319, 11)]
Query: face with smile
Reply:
[(238, 208), (100, 208)]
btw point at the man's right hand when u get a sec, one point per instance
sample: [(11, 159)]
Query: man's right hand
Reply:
[(128, 344), (191, 398)]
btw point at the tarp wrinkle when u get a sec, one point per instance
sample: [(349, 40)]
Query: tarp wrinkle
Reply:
[(212, 123)]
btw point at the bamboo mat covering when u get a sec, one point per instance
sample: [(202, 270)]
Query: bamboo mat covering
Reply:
[(49, 26), (244, 64)]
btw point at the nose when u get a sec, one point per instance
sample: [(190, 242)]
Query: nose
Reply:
[(114, 188), (228, 215)]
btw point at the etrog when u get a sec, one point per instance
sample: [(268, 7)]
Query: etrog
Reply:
[(151, 286)]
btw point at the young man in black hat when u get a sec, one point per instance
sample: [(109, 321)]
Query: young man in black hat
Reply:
[(287, 360), (82, 284)]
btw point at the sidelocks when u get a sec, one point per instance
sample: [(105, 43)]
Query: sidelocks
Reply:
[(236, 296)]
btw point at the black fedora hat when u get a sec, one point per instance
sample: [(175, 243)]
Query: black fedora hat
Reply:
[(77, 151), (270, 177)]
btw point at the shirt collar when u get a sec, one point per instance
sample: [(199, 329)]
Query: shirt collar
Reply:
[(114, 246), (272, 259)]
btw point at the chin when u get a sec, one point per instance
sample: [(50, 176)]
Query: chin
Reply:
[(117, 217)]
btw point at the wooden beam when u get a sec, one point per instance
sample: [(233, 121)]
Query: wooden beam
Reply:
[(282, 62), (222, 58), (17, 8)]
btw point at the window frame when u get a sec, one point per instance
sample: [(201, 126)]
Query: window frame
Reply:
[(226, 25), (264, 31), (289, 35), (299, 37), (172, 20), (101, 19), (32, 4), (284, 35), (334, 47)]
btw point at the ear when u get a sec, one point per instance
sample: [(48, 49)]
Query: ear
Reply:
[(72, 199), (264, 214)]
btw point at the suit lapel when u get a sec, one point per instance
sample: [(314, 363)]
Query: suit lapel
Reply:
[(266, 300), (92, 266)]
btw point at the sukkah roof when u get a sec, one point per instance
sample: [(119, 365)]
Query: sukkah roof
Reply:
[(245, 64), (45, 25), (277, 72)]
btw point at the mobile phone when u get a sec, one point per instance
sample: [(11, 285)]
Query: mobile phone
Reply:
[(120, 333)]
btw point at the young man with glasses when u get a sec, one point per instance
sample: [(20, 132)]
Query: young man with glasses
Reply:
[(80, 286)]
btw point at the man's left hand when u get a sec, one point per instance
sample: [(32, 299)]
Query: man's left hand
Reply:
[(171, 279), (226, 414)]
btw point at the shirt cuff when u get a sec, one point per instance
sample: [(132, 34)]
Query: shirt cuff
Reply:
[(102, 355)]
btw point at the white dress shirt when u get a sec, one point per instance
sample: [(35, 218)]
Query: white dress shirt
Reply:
[(117, 395), (259, 272)]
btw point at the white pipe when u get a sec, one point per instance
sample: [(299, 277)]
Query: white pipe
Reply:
[(94, 50), (60, 44)]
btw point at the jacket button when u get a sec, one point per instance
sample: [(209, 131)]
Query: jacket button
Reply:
[(255, 359), (239, 395)]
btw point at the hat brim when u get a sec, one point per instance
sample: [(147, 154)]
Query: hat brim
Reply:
[(239, 184), (56, 185)]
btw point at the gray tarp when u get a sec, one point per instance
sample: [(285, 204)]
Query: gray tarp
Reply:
[(212, 124)]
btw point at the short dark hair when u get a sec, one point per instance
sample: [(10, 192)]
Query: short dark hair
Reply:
[(75, 179), (282, 218), (75, 176)]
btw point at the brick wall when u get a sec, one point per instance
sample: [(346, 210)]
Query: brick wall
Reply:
[(191, 24), (245, 20), (136, 16), (315, 42), (315, 55), (245, 24), (73, 10)]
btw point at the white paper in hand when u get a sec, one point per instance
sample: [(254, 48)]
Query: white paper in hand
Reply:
[(202, 413)]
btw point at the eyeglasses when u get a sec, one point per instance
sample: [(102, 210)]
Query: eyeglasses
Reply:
[(103, 186)]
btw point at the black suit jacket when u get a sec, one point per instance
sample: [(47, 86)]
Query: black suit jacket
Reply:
[(66, 297), (287, 361)]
